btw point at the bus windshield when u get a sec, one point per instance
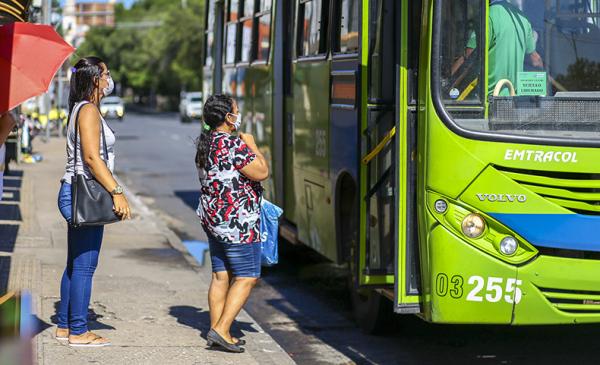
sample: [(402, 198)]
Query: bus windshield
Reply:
[(539, 73)]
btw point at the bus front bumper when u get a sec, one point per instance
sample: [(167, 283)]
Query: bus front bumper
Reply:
[(466, 285), (559, 290)]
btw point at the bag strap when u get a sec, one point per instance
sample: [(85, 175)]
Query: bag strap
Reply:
[(105, 149)]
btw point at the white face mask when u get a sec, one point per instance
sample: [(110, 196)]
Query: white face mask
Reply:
[(111, 86), (238, 121)]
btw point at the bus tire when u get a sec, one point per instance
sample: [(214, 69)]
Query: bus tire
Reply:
[(372, 312)]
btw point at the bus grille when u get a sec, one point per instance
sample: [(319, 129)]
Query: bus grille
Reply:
[(577, 192), (573, 301)]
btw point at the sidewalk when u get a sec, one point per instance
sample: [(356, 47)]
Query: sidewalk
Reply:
[(149, 296)]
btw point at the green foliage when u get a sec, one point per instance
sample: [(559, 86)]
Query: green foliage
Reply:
[(154, 49)]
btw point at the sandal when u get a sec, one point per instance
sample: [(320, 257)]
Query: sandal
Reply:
[(62, 334), (93, 340)]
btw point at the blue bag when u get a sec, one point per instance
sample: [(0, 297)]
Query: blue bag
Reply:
[(269, 231)]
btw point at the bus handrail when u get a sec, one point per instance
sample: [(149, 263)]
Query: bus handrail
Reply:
[(371, 155)]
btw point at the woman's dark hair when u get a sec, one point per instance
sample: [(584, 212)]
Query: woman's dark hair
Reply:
[(86, 74), (214, 112)]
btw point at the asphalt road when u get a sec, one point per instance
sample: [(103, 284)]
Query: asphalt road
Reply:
[(302, 302)]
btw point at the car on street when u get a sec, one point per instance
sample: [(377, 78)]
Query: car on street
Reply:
[(190, 106), (112, 107)]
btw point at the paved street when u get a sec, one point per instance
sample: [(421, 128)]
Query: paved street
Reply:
[(302, 302)]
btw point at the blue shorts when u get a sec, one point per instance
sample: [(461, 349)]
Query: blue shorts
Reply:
[(241, 259)]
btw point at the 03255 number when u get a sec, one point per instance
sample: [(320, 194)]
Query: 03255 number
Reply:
[(491, 289)]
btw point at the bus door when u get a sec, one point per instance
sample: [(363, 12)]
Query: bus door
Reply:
[(388, 254), (379, 58), (407, 268)]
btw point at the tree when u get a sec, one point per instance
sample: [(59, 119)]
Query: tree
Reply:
[(163, 58)]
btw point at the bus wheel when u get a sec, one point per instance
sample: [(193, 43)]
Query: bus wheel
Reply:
[(373, 313)]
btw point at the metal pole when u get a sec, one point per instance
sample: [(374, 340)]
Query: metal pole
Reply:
[(46, 19), (59, 99)]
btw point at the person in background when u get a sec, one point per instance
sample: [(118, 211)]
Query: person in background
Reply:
[(230, 169), (7, 123)]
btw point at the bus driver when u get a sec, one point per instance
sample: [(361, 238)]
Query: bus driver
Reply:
[(511, 38)]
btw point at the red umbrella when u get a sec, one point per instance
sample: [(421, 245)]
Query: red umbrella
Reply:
[(30, 55)]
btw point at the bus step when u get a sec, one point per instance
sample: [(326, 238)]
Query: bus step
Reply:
[(388, 293)]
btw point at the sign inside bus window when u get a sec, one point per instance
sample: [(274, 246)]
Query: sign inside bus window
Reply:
[(540, 156), (479, 289), (532, 83)]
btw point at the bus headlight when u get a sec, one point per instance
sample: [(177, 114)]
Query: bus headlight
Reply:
[(440, 206), (508, 245), (473, 225)]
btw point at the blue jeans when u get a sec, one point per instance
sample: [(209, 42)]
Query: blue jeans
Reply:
[(82, 258), (241, 259)]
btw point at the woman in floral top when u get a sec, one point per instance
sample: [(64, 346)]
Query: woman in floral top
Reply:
[(230, 169)]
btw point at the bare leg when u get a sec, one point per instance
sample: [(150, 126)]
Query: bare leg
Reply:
[(236, 298), (217, 293)]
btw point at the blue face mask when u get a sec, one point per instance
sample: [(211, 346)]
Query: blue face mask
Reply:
[(238, 121)]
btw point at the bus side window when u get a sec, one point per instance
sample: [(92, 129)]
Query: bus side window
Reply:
[(311, 28), (382, 51), (348, 27), (461, 51), (209, 35), (264, 30), (231, 31), (414, 24), (247, 25)]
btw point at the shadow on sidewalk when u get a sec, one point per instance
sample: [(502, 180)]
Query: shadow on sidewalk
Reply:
[(8, 237), (38, 325), (92, 316), (9, 211), (200, 319), (4, 273)]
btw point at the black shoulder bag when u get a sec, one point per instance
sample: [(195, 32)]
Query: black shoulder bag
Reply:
[(91, 203)]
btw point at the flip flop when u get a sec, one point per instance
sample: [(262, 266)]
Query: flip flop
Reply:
[(61, 338), (96, 341)]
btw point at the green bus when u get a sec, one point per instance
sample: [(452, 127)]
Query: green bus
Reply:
[(446, 150)]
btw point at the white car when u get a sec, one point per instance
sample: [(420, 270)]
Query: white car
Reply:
[(112, 107), (190, 106)]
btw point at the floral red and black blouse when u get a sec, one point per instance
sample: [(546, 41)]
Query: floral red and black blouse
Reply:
[(229, 206)]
